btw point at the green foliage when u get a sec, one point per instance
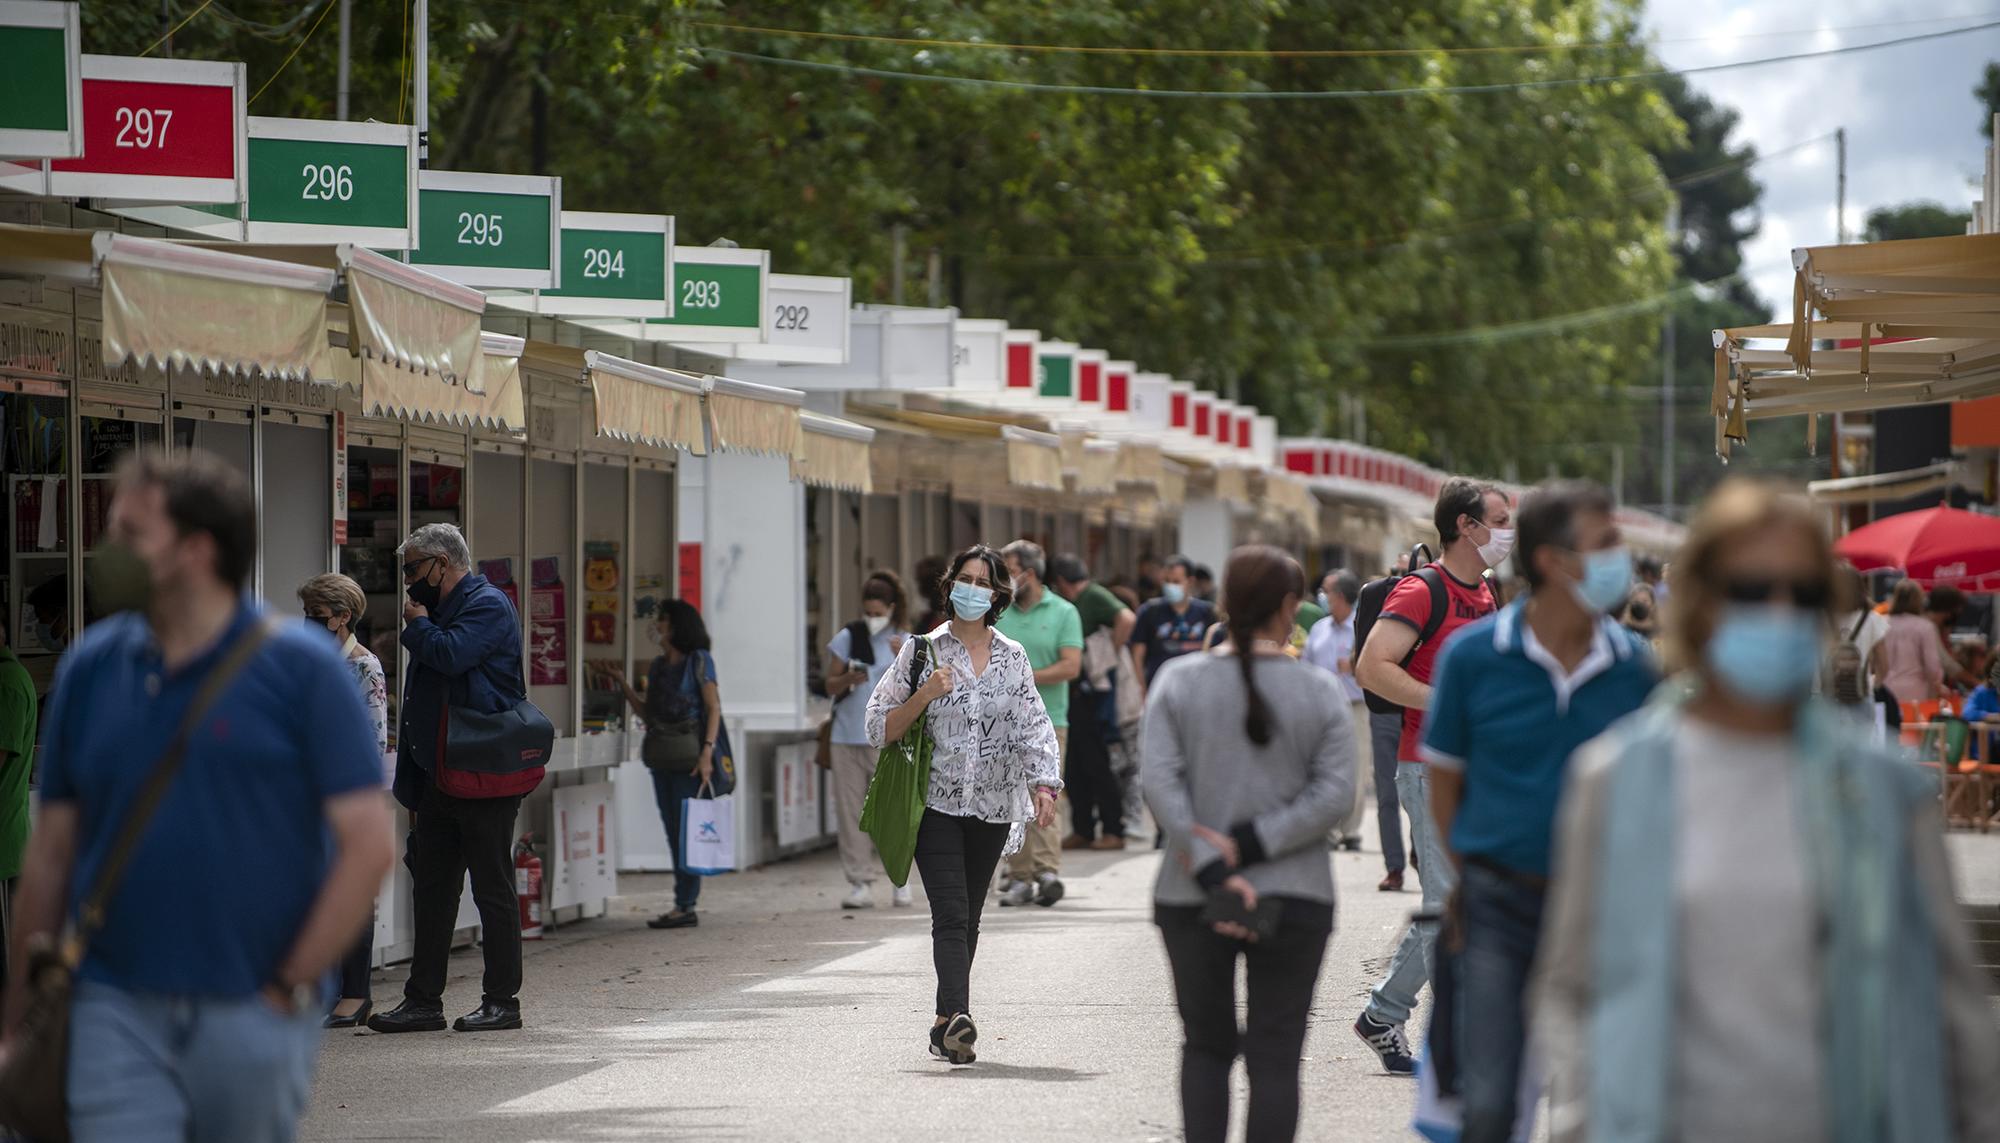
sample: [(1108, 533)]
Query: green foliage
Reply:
[(1914, 220), (1285, 253), (1988, 94)]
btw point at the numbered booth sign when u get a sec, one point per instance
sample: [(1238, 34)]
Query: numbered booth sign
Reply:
[(979, 355), (808, 321), (157, 131), (613, 265), (1058, 369), (720, 294), (41, 90), (490, 231), (315, 181)]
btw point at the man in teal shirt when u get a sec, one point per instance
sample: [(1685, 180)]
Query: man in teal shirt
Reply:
[(17, 757), (1049, 629)]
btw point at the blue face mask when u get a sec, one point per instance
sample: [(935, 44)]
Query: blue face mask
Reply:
[(45, 634), (970, 601), (1766, 652), (1173, 593), (1606, 582)]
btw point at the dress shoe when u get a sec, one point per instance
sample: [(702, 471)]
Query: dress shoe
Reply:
[(674, 920), (355, 1020), (409, 1016), (1393, 883), (491, 1017), (1076, 841), (1108, 841)]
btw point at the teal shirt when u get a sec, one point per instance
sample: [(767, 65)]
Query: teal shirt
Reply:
[(17, 738), (1043, 631)]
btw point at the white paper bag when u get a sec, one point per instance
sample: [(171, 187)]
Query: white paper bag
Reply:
[(1439, 1117), (708, 835)]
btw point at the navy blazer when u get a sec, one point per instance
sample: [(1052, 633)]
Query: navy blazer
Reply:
[(466, 654)]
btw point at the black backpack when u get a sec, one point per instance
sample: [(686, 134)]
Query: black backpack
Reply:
[(1368, 607)]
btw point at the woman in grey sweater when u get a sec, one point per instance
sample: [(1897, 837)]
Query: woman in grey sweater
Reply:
[(1248, 764)]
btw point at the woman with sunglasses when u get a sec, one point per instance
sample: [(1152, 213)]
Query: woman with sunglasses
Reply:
[(336, 603), (1752, 933), (994, 766)]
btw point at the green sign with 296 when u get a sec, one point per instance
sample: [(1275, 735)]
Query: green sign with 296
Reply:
[(315, 182)]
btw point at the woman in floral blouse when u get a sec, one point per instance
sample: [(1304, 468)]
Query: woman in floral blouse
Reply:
[(336, 603), (994, 765)]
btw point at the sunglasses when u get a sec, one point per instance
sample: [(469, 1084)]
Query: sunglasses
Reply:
[(1805, 594), (323, 618), (414, 566)]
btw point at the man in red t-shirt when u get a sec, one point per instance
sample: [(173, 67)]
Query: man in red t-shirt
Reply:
[(1475, 525)]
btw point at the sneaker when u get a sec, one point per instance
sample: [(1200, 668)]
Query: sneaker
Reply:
[(1389, 1044), (1048, 890), (1017, 893), (859, 897), (957, 1038), (901, 898), (1351, 844), (937, 1041)]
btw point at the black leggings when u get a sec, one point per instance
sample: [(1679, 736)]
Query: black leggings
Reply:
[(1096, 797), (956, 857), (1282, 973)]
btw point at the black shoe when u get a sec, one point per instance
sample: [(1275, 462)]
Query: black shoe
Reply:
[(937, 1041), (957, 1039), (674, 920), (491, 1017), (1351, 845), (409, 1016), (1388, 1043), (1048, 892), (356, 1020)]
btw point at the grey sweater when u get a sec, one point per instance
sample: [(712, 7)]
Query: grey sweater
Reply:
[(1279, 800)]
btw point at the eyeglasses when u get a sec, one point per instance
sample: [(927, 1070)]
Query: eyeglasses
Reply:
[(1805, 594), (326, 617), (414, 566)]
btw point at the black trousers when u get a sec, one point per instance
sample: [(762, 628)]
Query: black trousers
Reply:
[(1096, 798), (956, 858), (451, 838), (1282, 973), (354, 966)]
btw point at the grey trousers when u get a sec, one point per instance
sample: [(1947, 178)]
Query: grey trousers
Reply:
[(1386, 730)]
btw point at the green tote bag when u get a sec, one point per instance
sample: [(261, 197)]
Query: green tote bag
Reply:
[(895, 803)]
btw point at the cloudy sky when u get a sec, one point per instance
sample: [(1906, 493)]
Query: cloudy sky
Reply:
[(1912, 121)]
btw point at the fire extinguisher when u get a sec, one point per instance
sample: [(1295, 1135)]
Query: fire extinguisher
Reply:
[(528, 887)]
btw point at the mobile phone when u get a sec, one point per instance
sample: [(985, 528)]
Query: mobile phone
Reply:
[(1226, 907)]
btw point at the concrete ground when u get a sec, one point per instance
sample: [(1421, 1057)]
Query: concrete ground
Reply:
[(784, 1018)]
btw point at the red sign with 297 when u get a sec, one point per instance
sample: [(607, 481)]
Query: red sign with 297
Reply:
[(180, 130)]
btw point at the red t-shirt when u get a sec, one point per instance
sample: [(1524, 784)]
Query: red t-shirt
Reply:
[(1410, 602)]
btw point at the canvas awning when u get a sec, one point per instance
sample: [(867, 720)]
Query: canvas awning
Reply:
[(1034, 460), (1091, 463), (1904, 485), (168, 303), (631, 401), (1912, 322), (834, 453), (390, 392), (746, 417)]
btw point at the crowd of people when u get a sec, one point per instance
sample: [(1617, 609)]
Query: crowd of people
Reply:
[(1665, 869)]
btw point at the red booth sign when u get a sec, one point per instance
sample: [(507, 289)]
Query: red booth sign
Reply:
[(1118, 391), (158, 131)]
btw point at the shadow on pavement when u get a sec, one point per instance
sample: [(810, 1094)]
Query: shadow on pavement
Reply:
[(1007, 1071)]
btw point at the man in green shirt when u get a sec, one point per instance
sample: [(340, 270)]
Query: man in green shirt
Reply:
[(17, 757), (1047, 627), (1096, 796)]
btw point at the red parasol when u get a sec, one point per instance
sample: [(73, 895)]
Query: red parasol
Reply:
[(1933, 546)]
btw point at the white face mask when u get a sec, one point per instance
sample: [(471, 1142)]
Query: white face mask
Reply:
[(876, 623), (1495, 550)]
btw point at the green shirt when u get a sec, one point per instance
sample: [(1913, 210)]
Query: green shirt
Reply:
[(17, 738), (1043, 631), (1309, 614), (1096, 607)]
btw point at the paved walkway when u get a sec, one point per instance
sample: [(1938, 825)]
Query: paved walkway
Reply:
[(782, 1018)]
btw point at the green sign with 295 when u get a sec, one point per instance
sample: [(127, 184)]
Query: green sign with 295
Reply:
[(488, 230)]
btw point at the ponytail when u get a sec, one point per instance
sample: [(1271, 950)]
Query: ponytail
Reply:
[(1257, 722), (1254, 586)]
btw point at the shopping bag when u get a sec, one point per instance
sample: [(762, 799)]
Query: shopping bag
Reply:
[(1440, 1117), (708, 835), (895, 804)]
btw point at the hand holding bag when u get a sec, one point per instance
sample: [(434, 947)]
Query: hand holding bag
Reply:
[(895, 804), (34, 1078)]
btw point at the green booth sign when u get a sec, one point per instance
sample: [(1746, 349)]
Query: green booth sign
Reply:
[(41, 86), (490, 231)]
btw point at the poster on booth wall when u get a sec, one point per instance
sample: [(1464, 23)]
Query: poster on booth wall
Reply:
[(339, 478), (600, 585), (798, 795), (500, 573), (584, 858), (690, 573), (548, 625)]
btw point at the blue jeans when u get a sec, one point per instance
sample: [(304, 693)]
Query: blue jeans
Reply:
[(672, 791), (146, 1068), (1385, 731), (1503, 924), (1410, 966)]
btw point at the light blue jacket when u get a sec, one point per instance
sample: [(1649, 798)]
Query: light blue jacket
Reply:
[(1893, 969)]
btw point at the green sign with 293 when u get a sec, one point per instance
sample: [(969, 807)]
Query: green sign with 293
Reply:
[(482, 228), (714, 294), (329, 184)]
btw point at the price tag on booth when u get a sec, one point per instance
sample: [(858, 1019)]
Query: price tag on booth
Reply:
[(157, 131), (41, 88), (613, 265), (490, 231), (720, 294)]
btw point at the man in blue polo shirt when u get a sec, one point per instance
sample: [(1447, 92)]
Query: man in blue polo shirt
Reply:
[(198, 1010), (1515, 694)]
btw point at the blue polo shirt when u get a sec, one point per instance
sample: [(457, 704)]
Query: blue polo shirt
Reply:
[(237, 851), (1505, 714)]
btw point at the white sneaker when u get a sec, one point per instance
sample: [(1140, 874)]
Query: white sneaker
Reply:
[(1019, 893), (859, 898), (901, 898)]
